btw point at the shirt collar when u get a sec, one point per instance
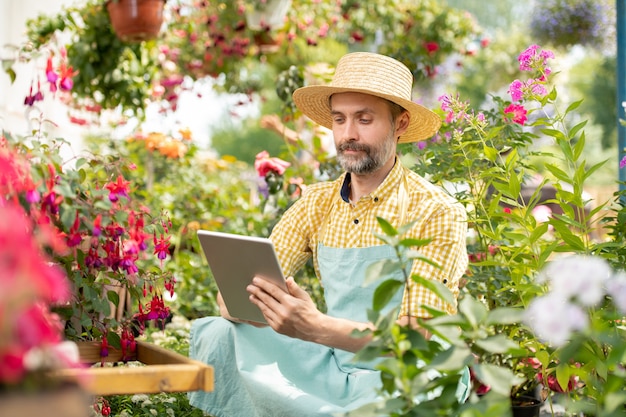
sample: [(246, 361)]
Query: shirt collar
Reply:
[(383, 191)]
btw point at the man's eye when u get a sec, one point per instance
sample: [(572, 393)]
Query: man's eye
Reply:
[(365, 121)]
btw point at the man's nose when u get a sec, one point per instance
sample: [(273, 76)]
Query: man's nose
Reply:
[(348, 131)]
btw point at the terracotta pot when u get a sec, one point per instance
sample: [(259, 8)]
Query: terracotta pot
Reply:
[(136, 20), (526, 406)]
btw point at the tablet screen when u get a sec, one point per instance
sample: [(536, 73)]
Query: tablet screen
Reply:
[(234, 260)]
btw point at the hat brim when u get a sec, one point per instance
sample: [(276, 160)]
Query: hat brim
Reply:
[(314, 102)]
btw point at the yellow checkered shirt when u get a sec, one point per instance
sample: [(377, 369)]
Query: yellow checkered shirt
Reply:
[(439, 217)]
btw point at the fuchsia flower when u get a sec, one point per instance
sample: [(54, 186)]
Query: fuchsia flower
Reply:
[(117, 189)]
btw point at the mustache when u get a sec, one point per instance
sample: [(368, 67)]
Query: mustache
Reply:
[(352, 146)]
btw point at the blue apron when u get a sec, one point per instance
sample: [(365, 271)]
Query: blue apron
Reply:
[(261, 373)]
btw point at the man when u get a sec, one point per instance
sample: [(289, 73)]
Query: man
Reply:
[(301, 364)]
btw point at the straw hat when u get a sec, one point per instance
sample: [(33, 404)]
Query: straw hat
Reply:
[(375, 74)]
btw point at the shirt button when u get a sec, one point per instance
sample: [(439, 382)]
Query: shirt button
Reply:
[(375, 199), (445, 281), (356, 221)]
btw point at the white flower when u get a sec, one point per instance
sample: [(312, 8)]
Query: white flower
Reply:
[(55, 356), (553, 319), (578, 277), (616, 288)]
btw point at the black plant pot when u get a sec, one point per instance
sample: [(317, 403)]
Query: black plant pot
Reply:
[(526, 406)]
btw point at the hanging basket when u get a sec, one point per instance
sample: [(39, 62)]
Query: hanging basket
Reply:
[(136, 20), (270, 15)]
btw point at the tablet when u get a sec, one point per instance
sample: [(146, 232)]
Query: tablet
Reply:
[(234, 260)]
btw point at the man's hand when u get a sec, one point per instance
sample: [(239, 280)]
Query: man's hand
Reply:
[(291, 313)]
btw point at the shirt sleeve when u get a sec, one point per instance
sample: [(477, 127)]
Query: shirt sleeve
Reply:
[(447, 227)]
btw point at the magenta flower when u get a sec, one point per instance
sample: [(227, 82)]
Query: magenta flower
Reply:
[(535, 59), (622, 163), (516, 90)]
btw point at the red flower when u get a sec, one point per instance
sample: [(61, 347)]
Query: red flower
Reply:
[(518, 112), (264, 164), (431, 47)]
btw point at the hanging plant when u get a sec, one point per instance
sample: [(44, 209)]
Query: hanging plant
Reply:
[(564, 23)]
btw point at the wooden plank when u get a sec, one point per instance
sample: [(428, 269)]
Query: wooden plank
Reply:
[(141, 379), (161, 370)]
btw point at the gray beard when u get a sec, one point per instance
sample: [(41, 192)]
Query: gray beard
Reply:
[(373, 159)]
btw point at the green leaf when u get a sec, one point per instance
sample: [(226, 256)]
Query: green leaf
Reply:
[(385, 292), (437, 287), (490, 153), (114, 340), (406, 227), (113, 297), (558, 173), (562, 375), (504, 315), (386, 227), (411, 242), (454, 358), (575, 242), (574, 106), (381, 269), (579, 147), (556, 134), (538, 232), (514, 186), (497, 344), (473, 310), (500, 379)]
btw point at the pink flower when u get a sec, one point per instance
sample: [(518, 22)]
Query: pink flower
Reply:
[(516, 90), (518, 111), (622, 163), (535, 59), (264, 164)]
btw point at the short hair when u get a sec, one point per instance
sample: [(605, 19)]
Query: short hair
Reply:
[(396, 110)]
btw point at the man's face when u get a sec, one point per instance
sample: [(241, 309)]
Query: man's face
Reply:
[(364, 135)]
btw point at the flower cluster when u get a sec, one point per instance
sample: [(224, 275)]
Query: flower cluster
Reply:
[(30, 334), (59, 78), (105, 235), (577, 284), (166, 145)]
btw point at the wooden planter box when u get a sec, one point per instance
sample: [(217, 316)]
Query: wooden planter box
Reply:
[(164, 371)]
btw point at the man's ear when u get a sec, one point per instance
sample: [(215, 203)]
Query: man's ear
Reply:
[(402, 123)]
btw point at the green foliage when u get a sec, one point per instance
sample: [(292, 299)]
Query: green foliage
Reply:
[(246, 141), (599, 92), (486, 160)]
